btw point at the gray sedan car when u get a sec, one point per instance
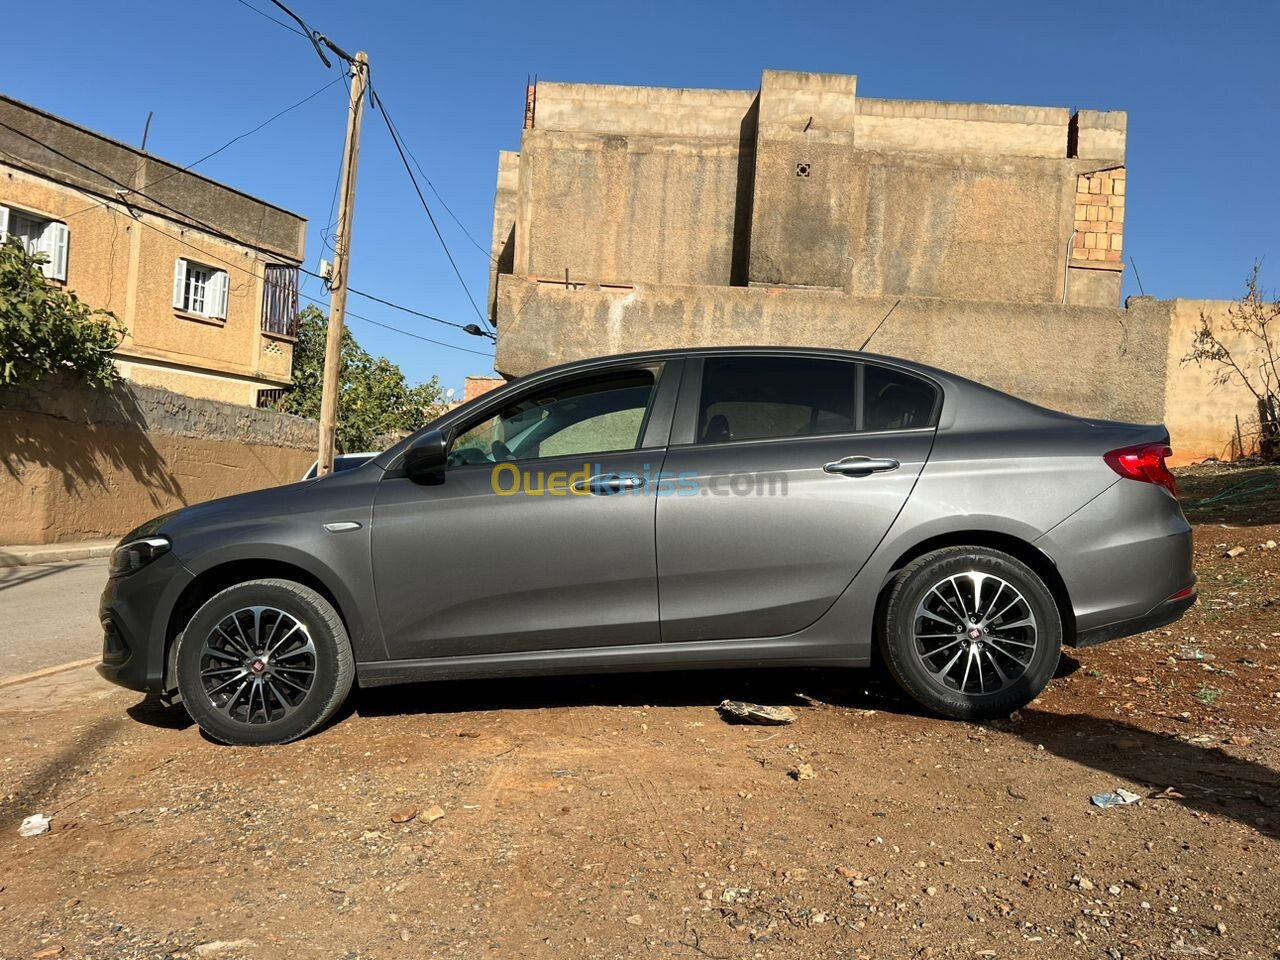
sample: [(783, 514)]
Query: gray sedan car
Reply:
[(687, 509)]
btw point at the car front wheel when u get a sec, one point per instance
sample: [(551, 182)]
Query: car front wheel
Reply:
[(971, 632), (264, 662)]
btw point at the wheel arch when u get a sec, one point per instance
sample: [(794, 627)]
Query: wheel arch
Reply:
[(1040, 563), (227, 574)]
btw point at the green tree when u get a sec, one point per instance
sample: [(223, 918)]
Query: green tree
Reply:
[(45, 329), (376, 403)]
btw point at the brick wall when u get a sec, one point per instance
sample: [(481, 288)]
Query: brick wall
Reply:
[(1100, 216)]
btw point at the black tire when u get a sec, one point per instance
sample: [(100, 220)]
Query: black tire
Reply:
[(903, 652), (277, 719)]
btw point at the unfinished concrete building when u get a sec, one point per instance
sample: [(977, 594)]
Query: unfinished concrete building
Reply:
[(801, 214)]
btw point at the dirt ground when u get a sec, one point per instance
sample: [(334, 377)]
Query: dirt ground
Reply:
[(621, 816)]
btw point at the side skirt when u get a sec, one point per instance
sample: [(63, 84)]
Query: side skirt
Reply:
[(694, 655)]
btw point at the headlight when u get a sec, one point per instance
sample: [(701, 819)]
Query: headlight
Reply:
[(136, 554)]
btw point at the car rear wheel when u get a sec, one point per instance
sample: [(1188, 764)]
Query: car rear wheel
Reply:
[(263, 662), (971, 632)]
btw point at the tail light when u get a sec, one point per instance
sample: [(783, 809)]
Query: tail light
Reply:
[(1144, 462)]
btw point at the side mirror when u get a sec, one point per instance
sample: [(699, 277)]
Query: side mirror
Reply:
[(426, 457)]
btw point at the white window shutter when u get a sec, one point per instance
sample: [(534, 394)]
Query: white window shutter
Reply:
[(56, 239), (4, 224), (179, 284), (217, 306)]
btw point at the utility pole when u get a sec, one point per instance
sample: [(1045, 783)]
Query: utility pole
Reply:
[(341, 265)]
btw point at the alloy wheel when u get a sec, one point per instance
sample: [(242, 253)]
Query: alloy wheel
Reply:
[(258, 665), (974, 633)]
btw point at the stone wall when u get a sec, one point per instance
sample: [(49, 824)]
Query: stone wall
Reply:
[(1092, 361), (77, 463)]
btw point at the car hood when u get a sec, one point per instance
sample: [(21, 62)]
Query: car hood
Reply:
[(232, 517)]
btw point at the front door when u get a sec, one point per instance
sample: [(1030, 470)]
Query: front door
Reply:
[(792, 471), (540, 536)]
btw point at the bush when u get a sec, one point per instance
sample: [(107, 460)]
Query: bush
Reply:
[(45, 329)]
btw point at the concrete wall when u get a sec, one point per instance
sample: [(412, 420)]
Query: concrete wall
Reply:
[(804, 184), (1093, 361), (81, 464), (931, 126), (640, 111), (941, 227), (621, 209), (1200, 414)]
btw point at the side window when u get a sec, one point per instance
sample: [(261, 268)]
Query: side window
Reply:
[(755, 398), (38, 236), (893, 400), (601, 414), (200, 289)]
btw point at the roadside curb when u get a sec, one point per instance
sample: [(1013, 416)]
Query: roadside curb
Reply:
[(54, 553), (46, 672)]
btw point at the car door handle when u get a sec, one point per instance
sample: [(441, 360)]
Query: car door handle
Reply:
[(861, 466), (608, 483)]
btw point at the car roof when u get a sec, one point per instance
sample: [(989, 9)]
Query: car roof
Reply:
[(982, 404), (757, 349)]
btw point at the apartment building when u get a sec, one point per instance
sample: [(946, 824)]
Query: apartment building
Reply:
[(203, 277)]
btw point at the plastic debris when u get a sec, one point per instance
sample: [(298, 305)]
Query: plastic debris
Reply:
[(802, 771), (34, 825), (758, 713), (1118, 797)]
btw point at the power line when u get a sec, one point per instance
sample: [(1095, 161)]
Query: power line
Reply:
[(317, 38), (395, 139), (206, 255), (269, 120), (461, 225), (397, 306), (418, 336), (211, 230), (209, 155), (262, 13)]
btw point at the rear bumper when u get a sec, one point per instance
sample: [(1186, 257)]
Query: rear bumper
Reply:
[(1162, 614), (1125, 558)]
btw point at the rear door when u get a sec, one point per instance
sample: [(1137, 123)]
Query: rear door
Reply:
[(785, 474)]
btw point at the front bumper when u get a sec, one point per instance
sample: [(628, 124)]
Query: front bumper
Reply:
[(134, 612)]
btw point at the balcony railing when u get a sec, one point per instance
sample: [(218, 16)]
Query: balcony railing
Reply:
[(280, 300)]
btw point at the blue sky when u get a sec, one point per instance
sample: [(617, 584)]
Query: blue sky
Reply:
[(1199, 82)]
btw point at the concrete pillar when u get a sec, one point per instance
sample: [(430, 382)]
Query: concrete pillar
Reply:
[(804, 194)]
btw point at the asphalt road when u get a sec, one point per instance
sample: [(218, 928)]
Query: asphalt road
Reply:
[(49, 614)]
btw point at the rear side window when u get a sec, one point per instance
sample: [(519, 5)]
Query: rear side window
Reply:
[(894, 400), (757, 398)]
